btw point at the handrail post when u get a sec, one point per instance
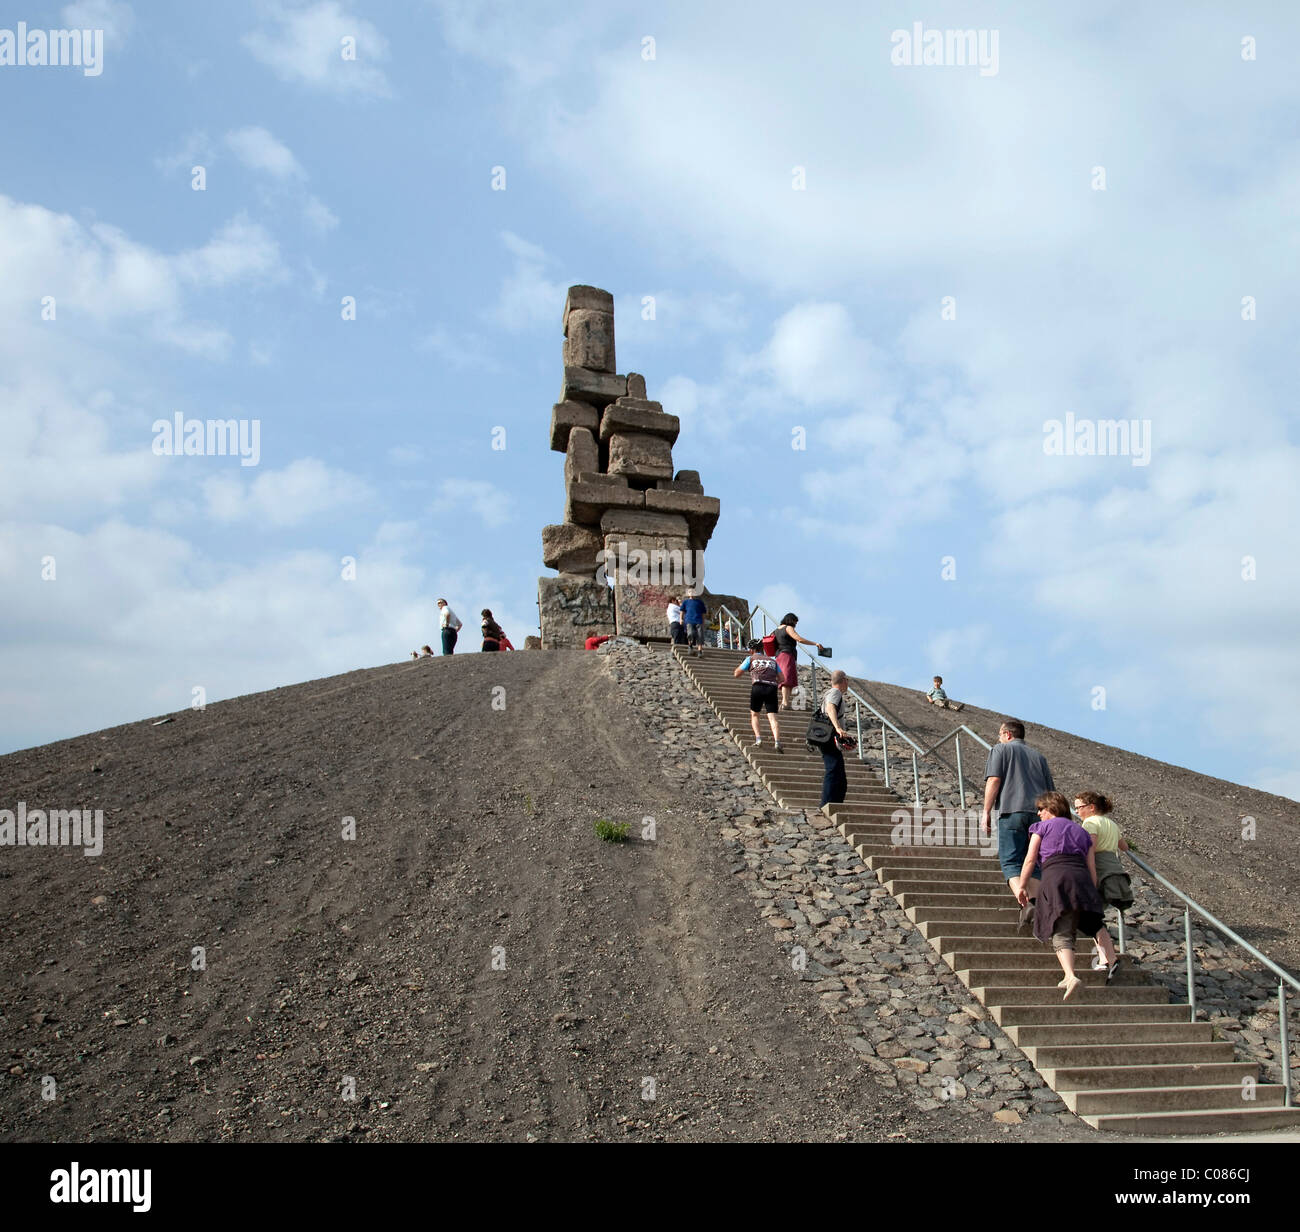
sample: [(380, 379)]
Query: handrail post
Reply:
[(961, 781), (884, 750), (1191, 976), (1286, 1044), (1121, 930), (916, 781), (814, 676), (857, 714)]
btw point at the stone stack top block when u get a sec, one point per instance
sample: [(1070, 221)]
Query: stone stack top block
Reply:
[(592, 299), (589, 330), (635, 385)]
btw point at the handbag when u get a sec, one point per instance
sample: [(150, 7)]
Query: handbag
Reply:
[(820, 733)]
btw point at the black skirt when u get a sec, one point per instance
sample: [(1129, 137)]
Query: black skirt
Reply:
[(1066, 886)]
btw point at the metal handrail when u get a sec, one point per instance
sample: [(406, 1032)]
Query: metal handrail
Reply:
[(961, 727), (858, 699), (1284, 977)]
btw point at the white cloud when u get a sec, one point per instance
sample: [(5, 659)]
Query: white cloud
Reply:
[(319, 217), (528, 296), (459, 350), (105, 286), (114, 17), (484, 500), (137, 617), (306, 46), (304, 489), (196, 151), (259, 150), (241, 251)]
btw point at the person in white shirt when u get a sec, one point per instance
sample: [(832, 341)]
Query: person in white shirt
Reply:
[(675, 621), (449, 624)]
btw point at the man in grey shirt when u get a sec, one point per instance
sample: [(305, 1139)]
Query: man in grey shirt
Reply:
[(1014, 777)]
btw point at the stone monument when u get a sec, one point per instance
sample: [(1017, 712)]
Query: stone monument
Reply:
[(634, 530)]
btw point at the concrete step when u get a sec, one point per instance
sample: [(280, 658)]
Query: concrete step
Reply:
[(997, 991), (958, 915), (1074, 1056), (1040, 963), (1090, 1012), (941, 930), (1103, 1077), (920, 884), (937, 894), (1045, 1035), (955, 872), (1225, 1120), (879, 837), (1173, 1099), (994, 972), (1017, 944)]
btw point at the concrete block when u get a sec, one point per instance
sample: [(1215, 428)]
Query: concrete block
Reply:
[(565, 416), (638, 455), (637, 415), (570, 607)]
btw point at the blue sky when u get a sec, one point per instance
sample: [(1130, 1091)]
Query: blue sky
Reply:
[(664, 169)]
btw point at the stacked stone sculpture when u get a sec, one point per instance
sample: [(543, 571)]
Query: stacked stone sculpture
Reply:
[(628, 517)]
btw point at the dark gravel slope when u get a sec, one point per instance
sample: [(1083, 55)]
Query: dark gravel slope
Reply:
[(371, 959)]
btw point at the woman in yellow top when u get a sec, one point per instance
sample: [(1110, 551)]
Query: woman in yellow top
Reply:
[(1093, 810)]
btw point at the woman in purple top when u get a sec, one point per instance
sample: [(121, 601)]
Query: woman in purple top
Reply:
[(1068, 901)]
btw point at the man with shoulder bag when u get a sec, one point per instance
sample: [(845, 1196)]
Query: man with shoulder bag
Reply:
[(831, 744)]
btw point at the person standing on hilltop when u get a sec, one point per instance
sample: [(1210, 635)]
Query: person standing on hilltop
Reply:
[(674, 614), (450, 625), (693, 614), (787, 651), (492, 634), (1015, 776)]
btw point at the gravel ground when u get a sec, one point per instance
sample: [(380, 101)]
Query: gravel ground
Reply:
[(330, 965)]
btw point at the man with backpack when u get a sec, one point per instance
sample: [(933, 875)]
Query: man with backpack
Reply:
[(764, 691)]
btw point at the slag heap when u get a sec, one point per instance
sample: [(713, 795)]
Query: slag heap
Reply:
[(628, 515)]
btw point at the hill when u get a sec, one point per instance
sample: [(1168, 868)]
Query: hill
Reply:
[(372, 958)]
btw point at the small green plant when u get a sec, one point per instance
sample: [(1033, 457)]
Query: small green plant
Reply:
[(612, 831), (528, 803)]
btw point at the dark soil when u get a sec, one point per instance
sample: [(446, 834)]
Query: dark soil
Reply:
[(372, 959)]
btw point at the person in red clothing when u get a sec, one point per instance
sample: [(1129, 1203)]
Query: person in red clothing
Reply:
[(593, 641)]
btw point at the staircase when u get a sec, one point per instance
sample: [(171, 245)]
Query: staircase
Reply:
[(1120, 1056)]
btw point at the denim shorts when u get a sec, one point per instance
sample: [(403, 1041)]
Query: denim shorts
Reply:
[(1013, 843)]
